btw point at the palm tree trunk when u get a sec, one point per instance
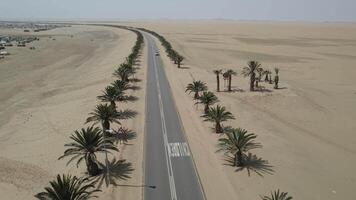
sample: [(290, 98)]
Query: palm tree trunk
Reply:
[(217, 83), (252, 82), (196, 95), (218, 128), (206, 109), (229, 89), (113, 104), (266, 77), (236, 160), (178, 64), (92, 167), (276, 80), (239, 159), (106, 127)]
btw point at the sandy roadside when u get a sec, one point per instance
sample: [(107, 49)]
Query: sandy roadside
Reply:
[(130, 185), (306, 129), (47, 93)]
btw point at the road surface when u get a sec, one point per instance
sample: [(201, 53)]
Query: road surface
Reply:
[(168, 163)]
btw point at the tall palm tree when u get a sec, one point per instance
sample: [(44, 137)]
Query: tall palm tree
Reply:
[(276, 78), (237, 142), (217, 115), (250, 70), (196, 87), (179, 60), (111, 94), (68, 187), (229, 74), (104, 114), (208, 99), (226, 78), (86, 143), (217, 72), (124, 72), (277, 195), (121, 85)]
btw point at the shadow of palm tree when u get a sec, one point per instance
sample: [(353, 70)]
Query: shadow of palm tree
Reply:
[(123, 135), (136, 80), (129, 98), (118, 170), (233, 90), (126, 114), (281, 88), (262, 89), (251, 163), (134, 87)]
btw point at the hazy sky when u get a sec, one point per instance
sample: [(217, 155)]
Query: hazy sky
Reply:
[(310, 10)]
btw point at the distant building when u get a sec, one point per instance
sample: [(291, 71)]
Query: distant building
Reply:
[(21, 44), (4, 53)]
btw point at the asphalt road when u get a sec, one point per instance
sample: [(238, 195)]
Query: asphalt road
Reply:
[(168, 163)]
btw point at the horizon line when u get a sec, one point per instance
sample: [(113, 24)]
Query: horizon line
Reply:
[(84, 19)]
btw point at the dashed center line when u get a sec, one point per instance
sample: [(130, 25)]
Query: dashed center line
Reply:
[(178, 149)]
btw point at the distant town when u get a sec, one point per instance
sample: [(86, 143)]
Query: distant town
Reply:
[(21, 40)]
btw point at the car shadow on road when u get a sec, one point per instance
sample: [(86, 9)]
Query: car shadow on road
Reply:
[(252, 163)]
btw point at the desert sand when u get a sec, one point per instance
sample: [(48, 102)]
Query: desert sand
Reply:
[(306, 128), (47, 93)]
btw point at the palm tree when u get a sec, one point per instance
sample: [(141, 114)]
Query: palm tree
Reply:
[(217, 115), (179, 60), (250, 70), (105, 114), (276, 195), (121, 85), (229, 74), (208, 99), (260, 72), (226, 78), (124, 71), (266, 73), (237, 142), (111, 94), (68, 187), (196, 87), (276, 78), (85, 144), (217, 72)]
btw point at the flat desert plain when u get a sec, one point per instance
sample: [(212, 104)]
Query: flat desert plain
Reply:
[(47, 93), (307, 127)]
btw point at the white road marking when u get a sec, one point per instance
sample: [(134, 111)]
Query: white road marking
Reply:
[(178, 149), (164, 130)]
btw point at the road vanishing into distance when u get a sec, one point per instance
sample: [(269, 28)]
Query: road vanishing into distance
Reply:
[(169, 169)]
